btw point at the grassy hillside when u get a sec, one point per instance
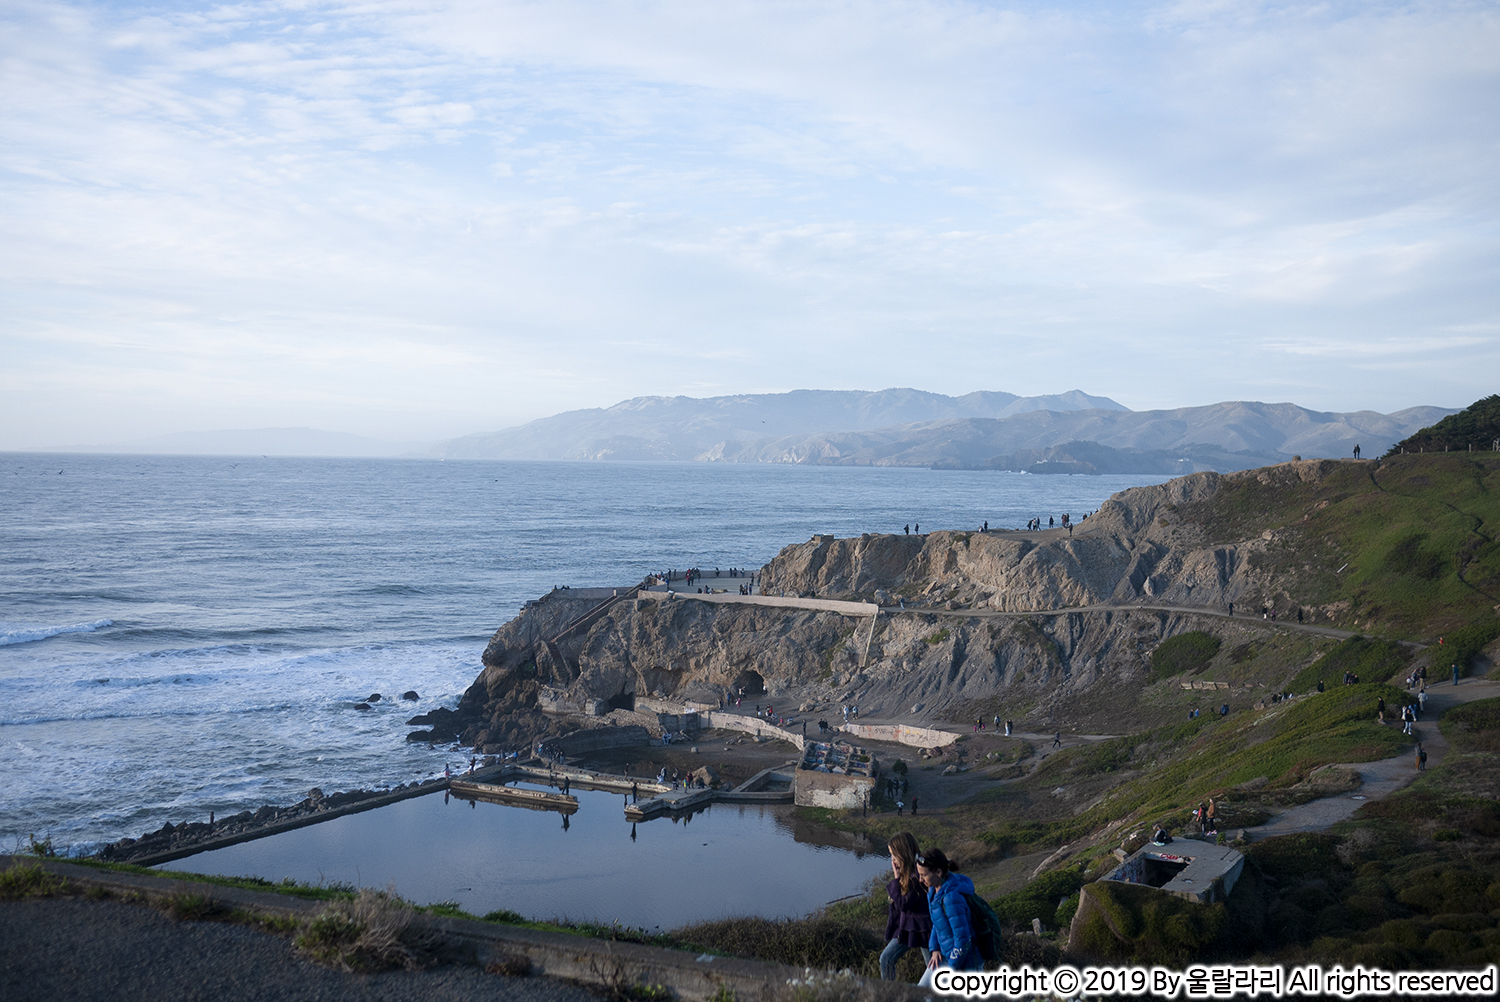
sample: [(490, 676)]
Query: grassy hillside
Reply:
[(1405, 548)]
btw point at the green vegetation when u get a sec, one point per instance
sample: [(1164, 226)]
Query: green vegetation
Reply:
[(28, 880), (939, 637), (314, 892), (1371, 660), (1403, 549), (1473, 726), (1476, 427), (1039, 899), (1462, 646), (1187, 653)]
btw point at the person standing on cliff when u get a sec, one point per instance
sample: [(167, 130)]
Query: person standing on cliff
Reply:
[(906, 528)]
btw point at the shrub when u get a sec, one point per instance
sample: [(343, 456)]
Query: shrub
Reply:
[(1186, 652), (28, 880), (373, 932), (817, 941), (1371, 660)]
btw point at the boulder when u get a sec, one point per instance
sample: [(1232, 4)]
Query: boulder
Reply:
[(373, 697), (363, 706), (410, 695)]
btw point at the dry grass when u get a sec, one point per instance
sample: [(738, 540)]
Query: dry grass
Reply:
[(372, 932)]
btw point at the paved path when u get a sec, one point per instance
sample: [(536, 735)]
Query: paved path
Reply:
[(1193, 610), (1381, 779)]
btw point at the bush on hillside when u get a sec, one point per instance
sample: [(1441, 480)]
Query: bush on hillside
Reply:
[(1474, 726), (1477, 425), (1462, 647), (1186, 652), (1040, 898), (1371, 660)]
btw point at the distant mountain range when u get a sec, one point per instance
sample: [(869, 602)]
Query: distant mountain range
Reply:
[(687, 428), (1063, 433), (1058, 433)]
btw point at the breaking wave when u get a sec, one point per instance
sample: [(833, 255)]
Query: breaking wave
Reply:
[(24, 634)]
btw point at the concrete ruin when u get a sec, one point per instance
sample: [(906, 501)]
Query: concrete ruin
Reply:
[(1198, 871), (834, 774)]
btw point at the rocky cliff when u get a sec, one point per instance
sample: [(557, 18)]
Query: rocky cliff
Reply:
[(1053, 628)]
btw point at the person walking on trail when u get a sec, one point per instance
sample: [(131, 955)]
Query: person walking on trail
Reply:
[(1213, 817), (1380, 709), (907, 924), (1057, 741), (951, 942), (1455, 674), (1421, 757)]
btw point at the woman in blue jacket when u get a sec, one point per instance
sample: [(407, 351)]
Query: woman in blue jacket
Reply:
[(952, 941)]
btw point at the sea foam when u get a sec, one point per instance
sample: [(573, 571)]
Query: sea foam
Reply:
[(17, 633)]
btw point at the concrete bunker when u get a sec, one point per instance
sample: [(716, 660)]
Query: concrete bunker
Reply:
[(1198, 871)]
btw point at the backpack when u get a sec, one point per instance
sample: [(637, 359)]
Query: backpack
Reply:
[(986, 926)]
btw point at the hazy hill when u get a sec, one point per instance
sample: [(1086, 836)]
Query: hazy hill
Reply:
[(685, 428), (1070, 432), (1224, 436)]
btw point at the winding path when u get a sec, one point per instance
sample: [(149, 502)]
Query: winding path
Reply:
[(1382, 778)]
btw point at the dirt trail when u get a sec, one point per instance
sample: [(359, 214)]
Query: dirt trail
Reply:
[(1381, 779)]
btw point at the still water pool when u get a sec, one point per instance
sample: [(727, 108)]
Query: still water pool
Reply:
[(728, 859)]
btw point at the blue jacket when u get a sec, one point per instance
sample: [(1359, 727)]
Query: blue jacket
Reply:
[(952, 933)]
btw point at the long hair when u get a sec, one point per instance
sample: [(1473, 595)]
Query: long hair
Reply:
[(903, 846)]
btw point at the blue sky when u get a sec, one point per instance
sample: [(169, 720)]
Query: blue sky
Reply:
[(420, 219)]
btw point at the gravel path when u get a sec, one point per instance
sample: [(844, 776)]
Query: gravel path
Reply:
[(1380, 779), (61, 950)]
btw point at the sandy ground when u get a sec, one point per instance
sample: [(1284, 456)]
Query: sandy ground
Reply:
[(61, 950), (1381, 779)]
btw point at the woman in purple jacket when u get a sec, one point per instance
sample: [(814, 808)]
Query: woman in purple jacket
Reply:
[(907, 925)]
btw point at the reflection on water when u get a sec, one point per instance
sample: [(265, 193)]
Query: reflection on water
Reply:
[(728, 859)]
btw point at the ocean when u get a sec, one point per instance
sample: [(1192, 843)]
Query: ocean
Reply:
[(180, 635)]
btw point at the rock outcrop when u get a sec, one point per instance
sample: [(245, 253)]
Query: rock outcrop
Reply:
[(1078, 615)]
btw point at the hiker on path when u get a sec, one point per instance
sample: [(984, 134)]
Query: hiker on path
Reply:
[(1455, 674), (1380, 709), (1213, 817), (1057, 741), (907, 924), (1421, 757), (951, 943)]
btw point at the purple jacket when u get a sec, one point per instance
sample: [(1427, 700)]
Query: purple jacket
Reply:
[(906, 916)]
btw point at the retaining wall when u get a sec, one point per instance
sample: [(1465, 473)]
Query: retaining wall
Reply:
[(916, 737)]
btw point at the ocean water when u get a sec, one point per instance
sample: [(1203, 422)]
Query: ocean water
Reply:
[(181, 635)]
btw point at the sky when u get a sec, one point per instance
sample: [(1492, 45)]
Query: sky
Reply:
[(417, 219)]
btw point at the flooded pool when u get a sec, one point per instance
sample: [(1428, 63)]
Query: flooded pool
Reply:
[(727, 859)]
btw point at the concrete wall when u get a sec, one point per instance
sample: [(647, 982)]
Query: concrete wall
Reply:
[(826, 789), (916, 737), (751, 725), (592, 739)]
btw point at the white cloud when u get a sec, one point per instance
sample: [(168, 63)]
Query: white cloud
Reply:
[(447, 216)]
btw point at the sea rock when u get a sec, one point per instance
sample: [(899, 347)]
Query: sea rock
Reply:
[(363, 706), (410, 695), (373, 697)]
